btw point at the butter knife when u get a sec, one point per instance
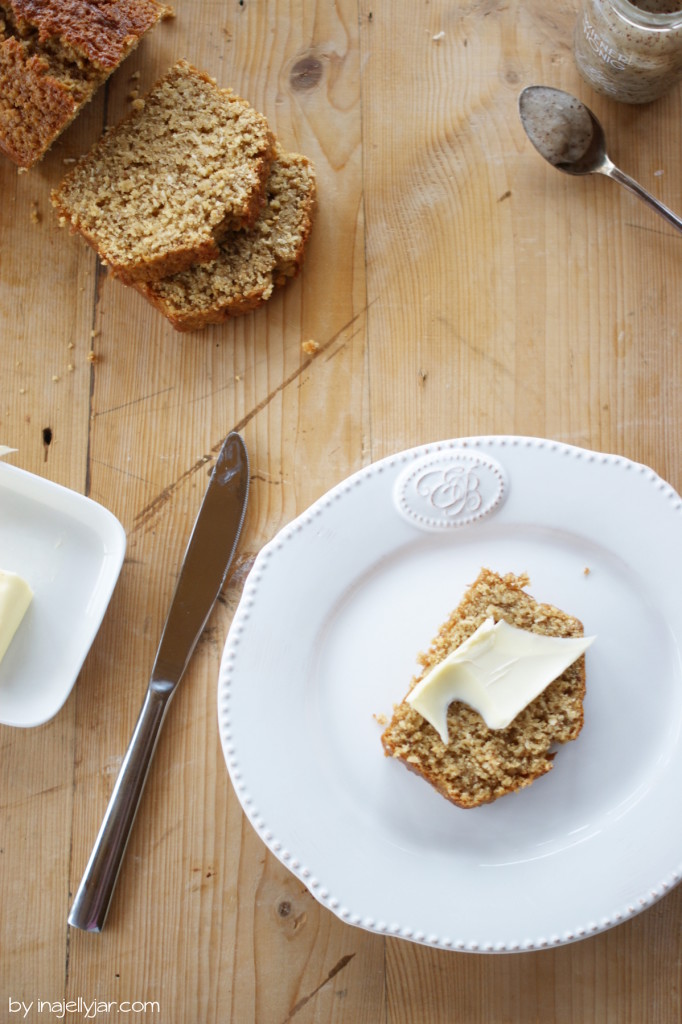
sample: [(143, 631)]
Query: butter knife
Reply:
[(207, 560)]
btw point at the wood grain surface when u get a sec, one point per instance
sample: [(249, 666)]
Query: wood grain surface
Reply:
[(456, 285)]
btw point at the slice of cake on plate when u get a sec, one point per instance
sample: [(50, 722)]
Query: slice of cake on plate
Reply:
[(472, 763)]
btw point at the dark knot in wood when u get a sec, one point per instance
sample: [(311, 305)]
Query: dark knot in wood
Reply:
[(306, 74)]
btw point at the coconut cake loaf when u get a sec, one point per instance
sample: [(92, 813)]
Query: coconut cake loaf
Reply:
[(478, 764), (160, 190), (54, 55), (251, 263)]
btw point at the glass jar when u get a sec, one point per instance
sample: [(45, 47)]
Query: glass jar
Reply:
[(630, 50)]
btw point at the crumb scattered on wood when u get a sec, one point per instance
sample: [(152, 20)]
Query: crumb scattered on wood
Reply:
[(91, 357), (36, 215), (310, 347)]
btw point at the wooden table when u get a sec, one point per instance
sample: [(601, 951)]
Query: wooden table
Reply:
[(456, 285)]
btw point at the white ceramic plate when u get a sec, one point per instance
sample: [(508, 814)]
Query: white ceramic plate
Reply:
[(70, 550), (326, 637)]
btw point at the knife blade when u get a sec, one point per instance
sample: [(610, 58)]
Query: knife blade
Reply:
[(207, 559)]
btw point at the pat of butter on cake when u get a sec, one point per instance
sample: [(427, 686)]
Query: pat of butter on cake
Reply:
[(466, 760)]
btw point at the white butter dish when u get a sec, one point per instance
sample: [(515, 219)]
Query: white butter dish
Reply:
[(70, 550)]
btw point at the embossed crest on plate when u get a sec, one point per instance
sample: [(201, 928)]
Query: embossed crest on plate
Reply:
[(446, 489)]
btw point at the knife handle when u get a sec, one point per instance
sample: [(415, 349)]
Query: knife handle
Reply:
[(89, 909)]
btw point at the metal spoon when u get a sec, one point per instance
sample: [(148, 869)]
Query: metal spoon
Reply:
[(558, 125)]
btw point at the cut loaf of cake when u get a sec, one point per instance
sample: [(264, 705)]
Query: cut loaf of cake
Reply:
[(250, 263), (479, 764), (158, 192), (54, 55)]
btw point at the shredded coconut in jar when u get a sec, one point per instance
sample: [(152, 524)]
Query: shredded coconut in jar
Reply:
[(630, 50)]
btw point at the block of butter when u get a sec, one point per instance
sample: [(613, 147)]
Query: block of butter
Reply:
[(15, 597)]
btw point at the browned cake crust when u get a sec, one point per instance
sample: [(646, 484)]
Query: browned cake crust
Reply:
[(54, 55), (250, 263), (479, 764), (158, 192), (99, 31)]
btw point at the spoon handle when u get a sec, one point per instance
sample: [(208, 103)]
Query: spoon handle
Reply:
[(629, 183)]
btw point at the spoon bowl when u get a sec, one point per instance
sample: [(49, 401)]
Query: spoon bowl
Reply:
[(593, 159), (569, 136)]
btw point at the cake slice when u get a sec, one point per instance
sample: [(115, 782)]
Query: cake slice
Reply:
[(250, 263), (478, 764), (54, 55), (158, 192)]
